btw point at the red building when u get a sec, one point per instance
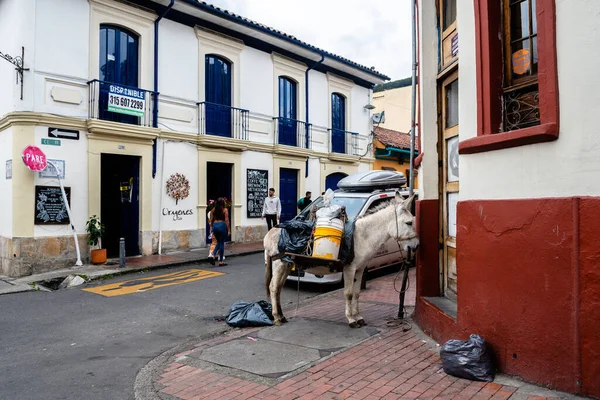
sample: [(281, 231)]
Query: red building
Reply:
[(509, 187)]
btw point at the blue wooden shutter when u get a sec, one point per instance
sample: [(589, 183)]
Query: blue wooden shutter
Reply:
[(217, 90), (338, 123), (288, 134)]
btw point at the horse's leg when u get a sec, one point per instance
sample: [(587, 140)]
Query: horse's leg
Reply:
[(275, 289), (286, 270), (356, 294), (349, 274)]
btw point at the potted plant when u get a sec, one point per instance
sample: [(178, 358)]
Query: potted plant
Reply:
[(95, 230)]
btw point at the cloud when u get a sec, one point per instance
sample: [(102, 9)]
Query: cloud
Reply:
[(370, 33)]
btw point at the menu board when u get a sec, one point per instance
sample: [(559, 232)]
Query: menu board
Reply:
[(257, 185), (50, 208)]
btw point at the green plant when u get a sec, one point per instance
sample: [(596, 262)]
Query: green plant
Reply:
[(95, 230)]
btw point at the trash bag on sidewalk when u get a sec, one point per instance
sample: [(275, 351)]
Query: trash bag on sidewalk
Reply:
[(470, 359), (242, 314)]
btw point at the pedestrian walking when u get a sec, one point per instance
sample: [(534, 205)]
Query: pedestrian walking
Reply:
[(271, 209), (220, 229), (305, 201)]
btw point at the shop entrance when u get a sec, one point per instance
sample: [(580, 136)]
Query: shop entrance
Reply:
[(119, 203), (219, 177)]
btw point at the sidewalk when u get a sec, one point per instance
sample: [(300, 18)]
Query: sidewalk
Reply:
[(390, 364), (133, 264)]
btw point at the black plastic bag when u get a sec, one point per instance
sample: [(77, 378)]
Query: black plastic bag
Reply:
[(242, 314), (469, 359), (294, 237)]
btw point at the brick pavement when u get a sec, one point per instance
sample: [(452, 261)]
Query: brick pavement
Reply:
[(396, 364)]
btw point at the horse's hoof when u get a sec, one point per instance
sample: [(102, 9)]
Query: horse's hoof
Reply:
[(284, 320), (354, 325), (277, 323), (361, 322)]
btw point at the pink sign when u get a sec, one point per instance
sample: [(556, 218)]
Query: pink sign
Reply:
[(34, 158)]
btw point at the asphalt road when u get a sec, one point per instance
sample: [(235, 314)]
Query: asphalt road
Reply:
[(72, 344)]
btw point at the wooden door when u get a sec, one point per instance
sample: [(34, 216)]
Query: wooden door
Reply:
[(449, 184)]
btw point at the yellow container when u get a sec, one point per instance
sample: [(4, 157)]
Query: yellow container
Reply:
[(328, 238)]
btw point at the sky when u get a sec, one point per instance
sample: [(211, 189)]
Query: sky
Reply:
[(370, 33)]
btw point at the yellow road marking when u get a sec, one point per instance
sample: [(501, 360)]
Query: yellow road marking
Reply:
[(153, 282)]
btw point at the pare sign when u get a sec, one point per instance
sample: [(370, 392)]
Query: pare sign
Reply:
[(34, 158)]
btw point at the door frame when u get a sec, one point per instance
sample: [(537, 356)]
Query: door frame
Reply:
[(99, 143), (137, 193), (447, 242), (206, 155)]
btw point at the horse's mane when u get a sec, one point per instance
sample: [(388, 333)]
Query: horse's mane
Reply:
[(379, 207)]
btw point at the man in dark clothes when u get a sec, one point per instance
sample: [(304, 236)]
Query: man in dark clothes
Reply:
[(305, 201)]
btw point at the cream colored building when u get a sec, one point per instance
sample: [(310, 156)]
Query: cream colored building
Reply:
[(394, 98)]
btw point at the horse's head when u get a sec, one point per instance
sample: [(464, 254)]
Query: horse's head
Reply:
[(402, 227)]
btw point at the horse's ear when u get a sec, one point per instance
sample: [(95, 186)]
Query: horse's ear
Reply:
[(408, 203), (399, 196)]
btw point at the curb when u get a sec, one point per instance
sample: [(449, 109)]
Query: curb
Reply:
[(30, 283), (131, 270)]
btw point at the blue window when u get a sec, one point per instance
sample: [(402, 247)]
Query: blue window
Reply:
[(119, 55), (338, 123), (217, 94), (288, 133)]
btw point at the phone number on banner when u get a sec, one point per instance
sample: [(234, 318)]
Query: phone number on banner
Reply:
[(126, 105)]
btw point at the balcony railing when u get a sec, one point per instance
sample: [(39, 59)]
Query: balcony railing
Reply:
[(120, 103), (343, 142), (292, 132), (220, 120)]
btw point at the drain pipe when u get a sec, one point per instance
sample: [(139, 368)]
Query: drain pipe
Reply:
[(155, 104), (162, 195), (306, 103), (413, 99)]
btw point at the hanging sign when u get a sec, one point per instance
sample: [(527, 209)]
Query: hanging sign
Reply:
[(123, 100), (34, 158), (257, 186)]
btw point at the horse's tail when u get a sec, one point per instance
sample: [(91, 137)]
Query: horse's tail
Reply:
[(268, 274)]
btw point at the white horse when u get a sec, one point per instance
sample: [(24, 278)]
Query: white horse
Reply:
[(392, 220)]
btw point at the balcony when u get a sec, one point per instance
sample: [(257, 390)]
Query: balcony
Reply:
[(291, 132), (343, 142), (120, 103), (220, 120)]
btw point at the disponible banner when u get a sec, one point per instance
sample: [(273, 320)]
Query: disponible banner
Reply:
[(128, 101)]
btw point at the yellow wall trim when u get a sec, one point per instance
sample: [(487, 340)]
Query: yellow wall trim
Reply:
[(100, 127), (35, 118), (346, 158)]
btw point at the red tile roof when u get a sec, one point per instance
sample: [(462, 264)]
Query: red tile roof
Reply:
[(399, 140)]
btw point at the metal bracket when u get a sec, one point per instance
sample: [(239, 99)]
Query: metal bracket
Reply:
[(18, 63)]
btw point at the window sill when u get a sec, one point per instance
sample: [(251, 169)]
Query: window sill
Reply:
[(505, 140)]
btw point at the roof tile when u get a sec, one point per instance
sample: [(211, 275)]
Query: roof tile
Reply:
[(389, 137)]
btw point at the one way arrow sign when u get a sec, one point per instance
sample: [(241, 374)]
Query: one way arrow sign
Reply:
[(63, 133)]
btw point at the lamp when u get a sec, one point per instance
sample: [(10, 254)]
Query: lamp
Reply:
[(369, 106)]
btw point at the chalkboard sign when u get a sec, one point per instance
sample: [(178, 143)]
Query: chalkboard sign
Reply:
[(50, 208), (257, 184)]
